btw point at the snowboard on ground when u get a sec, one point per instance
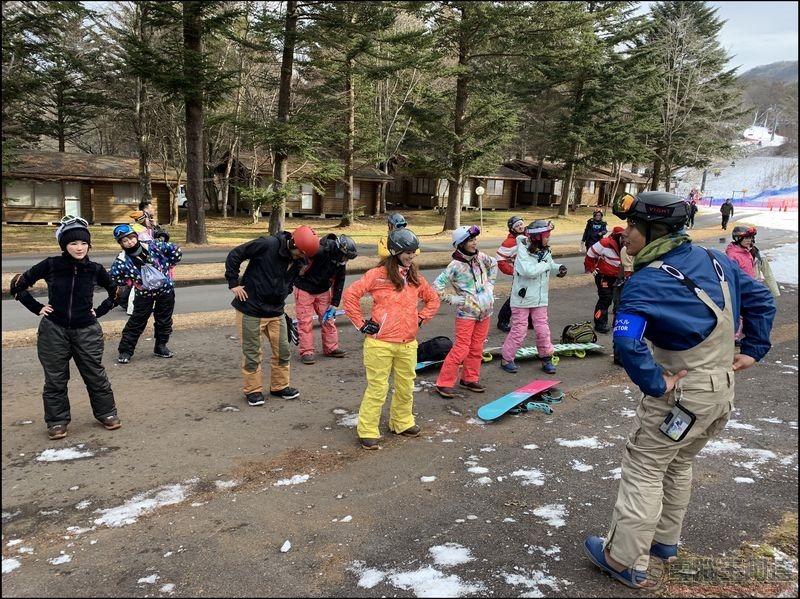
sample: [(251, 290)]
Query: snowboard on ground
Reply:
[(427, 363), (577, 350), (520, 401)]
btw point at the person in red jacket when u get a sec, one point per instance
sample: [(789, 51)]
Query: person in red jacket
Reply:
[(602, 259), (506, 254)]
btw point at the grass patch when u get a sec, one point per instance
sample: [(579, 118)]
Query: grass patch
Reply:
[(767, 568), (233, 231)]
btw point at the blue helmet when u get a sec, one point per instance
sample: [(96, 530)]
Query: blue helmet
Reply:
[(121, 231), (347, 247), (397, 220)]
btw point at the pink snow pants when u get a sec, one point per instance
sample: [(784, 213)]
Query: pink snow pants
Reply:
[(519, 330), (306, 305), (467, 350)]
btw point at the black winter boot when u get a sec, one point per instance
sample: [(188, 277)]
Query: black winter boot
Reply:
[(162, 351)]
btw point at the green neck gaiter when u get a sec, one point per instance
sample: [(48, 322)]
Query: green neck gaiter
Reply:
[(659, 247)]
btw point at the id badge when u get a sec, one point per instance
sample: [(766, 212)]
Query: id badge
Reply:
[(677, 423)]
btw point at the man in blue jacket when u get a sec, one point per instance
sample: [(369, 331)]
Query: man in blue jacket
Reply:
[(686, 301)]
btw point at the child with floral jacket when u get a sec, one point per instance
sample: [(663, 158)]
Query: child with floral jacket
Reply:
[(472, 274)]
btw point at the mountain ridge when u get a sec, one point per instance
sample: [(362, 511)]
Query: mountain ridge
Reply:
[(784, 71)]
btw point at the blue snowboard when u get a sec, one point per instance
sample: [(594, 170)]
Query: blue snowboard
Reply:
[(518, 399)]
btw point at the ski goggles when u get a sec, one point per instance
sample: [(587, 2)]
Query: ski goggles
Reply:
[(623, 206), (474, 231), (69, 219)]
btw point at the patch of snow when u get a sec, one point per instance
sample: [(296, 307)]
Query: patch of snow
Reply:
[(450, 554), (297, 479), (552, 513), (139, 505)]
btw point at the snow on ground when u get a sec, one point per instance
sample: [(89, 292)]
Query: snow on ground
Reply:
[(782, 259), (752, 173)]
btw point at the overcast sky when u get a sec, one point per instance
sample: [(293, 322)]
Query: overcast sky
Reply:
[(758, 33)]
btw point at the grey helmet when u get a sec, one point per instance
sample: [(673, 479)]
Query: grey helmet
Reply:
[(397, 220), (347, 247), (653, 207), (513, 221), (402, 240)]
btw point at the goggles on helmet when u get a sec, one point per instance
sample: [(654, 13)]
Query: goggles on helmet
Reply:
[(121, 231), (623, 206), (69, 219)]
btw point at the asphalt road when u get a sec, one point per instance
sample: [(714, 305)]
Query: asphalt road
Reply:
[(20, 262), (216, 296), (197, 493)]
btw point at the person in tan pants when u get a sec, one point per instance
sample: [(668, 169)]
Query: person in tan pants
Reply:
[(688, 378)]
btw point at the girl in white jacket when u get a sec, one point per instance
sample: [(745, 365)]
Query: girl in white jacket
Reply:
[(529, 295)]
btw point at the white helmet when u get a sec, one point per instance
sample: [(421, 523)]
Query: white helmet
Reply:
[(462, 234)]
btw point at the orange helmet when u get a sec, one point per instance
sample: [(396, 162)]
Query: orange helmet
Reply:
[(306, 240)]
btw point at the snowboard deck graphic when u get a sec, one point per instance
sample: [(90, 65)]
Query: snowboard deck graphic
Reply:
[(577, 350), (518, 399)]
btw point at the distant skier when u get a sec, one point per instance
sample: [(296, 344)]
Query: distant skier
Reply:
[(727, 211)]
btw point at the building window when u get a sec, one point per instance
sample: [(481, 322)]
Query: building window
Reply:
[(356, 190), (39, 194), (306, 196), (423, 186), (494, 187), (543, 186), (589, 186), (126, 193), (339, 190), (18, 193)]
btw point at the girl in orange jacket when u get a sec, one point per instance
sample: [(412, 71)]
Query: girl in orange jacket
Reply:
[(390, 345)]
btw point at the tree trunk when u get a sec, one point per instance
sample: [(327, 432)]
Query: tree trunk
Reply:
[(452, 219), (277, 218), (142, 132), (349, 217), (539, 168), (656, 175), (566, 189), (195, 191)]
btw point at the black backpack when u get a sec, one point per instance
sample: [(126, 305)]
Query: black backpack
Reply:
[(434, 350), (578, 332)]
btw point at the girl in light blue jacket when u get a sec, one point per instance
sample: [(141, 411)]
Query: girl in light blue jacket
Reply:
[(529, 295)]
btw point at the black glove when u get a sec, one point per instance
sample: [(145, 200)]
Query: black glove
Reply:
[(291, 329), (562, 271), (370, 327)]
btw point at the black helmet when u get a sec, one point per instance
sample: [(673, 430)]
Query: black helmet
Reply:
[(740, 232), (653, 207), (347, 247), (397, 220), (513, 221), (402, 240)]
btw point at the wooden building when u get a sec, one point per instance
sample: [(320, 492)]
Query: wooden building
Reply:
[(501, 190), (367, 183), (42, 187), (592, 188)]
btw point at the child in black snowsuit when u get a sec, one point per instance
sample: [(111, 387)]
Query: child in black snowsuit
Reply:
[(595, 230), (69, 327)]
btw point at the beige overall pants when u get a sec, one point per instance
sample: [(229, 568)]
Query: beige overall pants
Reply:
[(656, 477)]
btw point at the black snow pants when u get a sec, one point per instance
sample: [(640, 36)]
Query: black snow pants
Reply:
[(55, 347), (161, 307)]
